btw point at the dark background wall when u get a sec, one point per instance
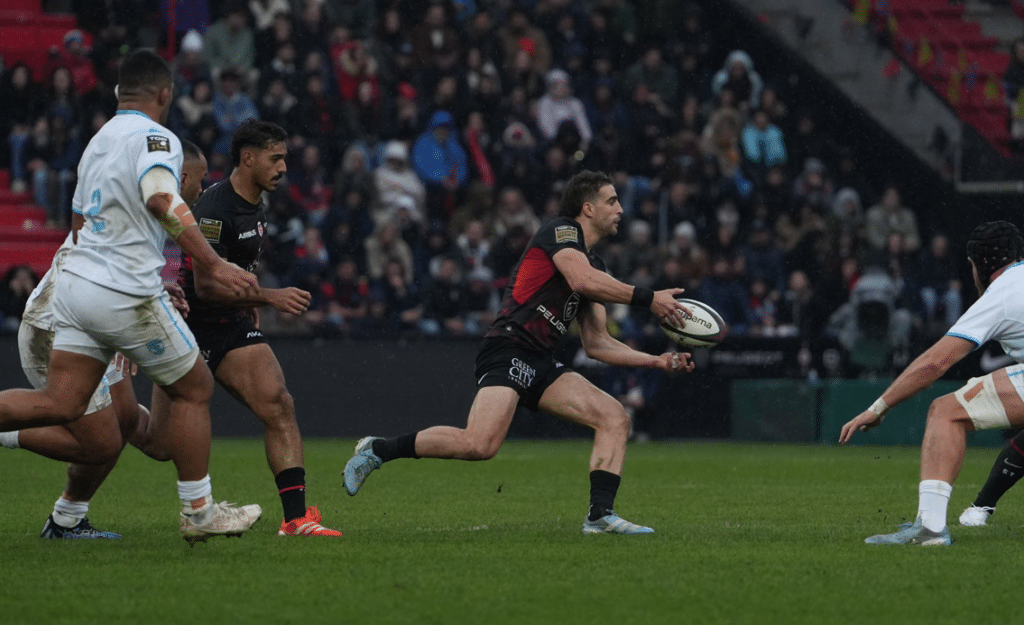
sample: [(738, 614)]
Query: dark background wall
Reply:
[(351, 389)]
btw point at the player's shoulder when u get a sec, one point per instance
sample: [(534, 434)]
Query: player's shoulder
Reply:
[(560, 230)]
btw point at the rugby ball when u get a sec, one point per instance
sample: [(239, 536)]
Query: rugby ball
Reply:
[(703, 327)]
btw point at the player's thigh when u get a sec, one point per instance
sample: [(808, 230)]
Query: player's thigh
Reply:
[(574, 398), (196, 386), (72, 379), (991, 401), (491, 413), (252, 375)]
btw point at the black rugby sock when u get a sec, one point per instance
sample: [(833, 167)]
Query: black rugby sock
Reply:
[(1007, 471), (291, 486), (403, 446), (603, 487)]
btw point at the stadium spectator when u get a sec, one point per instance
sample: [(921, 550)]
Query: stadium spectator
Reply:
[(938, 276), (511, 210), (726, 292), (764, 307), (264, 12), (190, 65), (559, 106), (444, 310), (61, 99), (281, 31), (738, 76), (474, 246), (763, 143), (806, 140), (889, 216), (384, 246), (762, 258), (284, 66), (17, 286), (230, 42), (813, 186), (800, 313), (344, 299), (231, 107), (403, 304), (22, 103), (353, 67), (660, 78), (53, 156), (191, 107), (309, 185), (482, 300), (393, 180), (73, 55), (277, 104), (692, 258), (318, 115), (435, 38), (848, 213), (441, 163), (519, 35)]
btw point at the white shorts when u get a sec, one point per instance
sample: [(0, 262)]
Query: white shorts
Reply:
[(34, 347), (982, 403), (95, 321)]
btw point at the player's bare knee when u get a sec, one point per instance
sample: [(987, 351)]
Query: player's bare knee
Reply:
[(945, 410), (277, 408), (613, 418), (483, 449)]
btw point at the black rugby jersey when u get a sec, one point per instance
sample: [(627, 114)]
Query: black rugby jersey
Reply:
[(539, 305), (236, 230)]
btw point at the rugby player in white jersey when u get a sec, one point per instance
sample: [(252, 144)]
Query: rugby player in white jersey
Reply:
[(995, 251), (93, 443), (109, 298)]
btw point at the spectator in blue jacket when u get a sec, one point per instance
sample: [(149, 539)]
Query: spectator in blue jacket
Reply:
[(231, 107), (763, 144), (441, 163)]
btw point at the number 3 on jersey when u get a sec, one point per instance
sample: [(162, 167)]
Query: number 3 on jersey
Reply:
[(98, 224)]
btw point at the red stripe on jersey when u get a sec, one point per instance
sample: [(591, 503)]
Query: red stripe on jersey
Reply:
[(535, 270)]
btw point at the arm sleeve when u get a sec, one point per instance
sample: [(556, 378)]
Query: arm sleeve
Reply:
[(161, 148)]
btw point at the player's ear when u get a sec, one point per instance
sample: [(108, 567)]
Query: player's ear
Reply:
[(164, 96)]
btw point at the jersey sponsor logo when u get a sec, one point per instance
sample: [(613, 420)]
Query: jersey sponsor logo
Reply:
[(572, 306), (248, 234), (205, 353), (255, 334), (157, 143), (211, 229), (156, 347), (521, 373), (566, 234), (259, 228), (550, 316)]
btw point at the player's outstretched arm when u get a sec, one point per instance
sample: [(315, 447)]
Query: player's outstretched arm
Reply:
[(602, 346), (289, 300), (919, 375), (601, 287)]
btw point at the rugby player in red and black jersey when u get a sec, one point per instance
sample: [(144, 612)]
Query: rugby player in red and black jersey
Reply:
[(232, 217), (557, 280)]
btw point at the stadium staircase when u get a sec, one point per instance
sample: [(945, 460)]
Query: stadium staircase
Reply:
[(28, 36)]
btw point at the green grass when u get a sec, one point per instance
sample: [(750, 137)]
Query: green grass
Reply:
[(746, 534)]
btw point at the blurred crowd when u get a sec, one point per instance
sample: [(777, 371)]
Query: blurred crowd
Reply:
[(429, 139)]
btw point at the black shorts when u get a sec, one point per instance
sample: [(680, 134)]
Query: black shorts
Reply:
[(217, 338), (502, 362)]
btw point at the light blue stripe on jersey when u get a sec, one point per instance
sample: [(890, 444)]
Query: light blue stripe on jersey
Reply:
[(175, 322), (133, 112), (965, 337)]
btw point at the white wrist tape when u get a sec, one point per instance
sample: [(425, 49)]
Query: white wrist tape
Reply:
[(879, 408), (159, 180)]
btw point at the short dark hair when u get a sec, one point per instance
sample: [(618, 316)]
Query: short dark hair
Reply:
[(143, 70), (582, 188), (992, 246), (190, 150), (255, 133)]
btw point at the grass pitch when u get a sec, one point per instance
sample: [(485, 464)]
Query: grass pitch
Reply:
[(746, 534)]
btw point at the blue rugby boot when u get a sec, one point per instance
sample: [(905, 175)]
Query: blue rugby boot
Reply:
[(83, 531), (361, 465)]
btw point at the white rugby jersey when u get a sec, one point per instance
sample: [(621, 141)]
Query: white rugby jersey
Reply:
[(38, 313), (121, 245), (997, 315)]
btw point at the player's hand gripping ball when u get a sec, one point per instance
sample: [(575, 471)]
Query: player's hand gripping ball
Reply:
[(703, 327)]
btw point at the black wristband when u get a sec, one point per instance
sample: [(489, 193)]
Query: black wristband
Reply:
[(642, 297)]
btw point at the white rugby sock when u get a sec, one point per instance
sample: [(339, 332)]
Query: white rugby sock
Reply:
[(68, 513), (9, 439), (190, 491), (933, 500)]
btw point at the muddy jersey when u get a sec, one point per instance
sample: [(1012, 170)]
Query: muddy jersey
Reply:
[(236, 230), (539, 305)]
